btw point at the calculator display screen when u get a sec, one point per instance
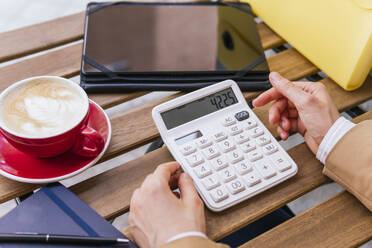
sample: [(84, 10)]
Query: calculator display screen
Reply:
[(198, 108)]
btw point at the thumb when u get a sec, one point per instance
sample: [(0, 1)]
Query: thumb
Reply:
[(187, 188), (287, 88)]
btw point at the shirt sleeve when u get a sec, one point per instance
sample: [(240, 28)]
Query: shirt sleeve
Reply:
[(186, 234), (334, 134)]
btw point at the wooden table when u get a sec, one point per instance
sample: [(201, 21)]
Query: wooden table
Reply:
[(340, 221)]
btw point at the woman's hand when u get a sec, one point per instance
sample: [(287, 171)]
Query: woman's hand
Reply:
[(303, 107), (157, 214)]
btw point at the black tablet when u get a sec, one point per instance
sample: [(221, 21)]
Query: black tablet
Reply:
[(171, 43)]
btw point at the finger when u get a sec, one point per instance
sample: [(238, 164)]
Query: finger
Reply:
[(173, 182), (291, 105), (164, 172), (288, 89), (293, 125), (187, 189), (266, 97), (292, 113), (276, 109), (283, 134), (284, 123)]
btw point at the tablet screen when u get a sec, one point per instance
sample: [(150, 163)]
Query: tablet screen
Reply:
[(176, 37)]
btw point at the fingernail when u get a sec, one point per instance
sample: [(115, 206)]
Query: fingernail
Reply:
[(275, 77)]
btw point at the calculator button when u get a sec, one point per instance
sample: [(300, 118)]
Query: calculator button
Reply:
[(252, 179), (266, 170), (254, 155), (227, 145), (241, 138), (228, 174), (195, 159), (249, 146), (228, 121), (219, 136), (255, 132), (187, 149), (219, 194), (235, 156), (211, 152), (203, 142), (220, 163), (243, 167), (203, 170), (263, 140), (236, 186), (234, 130), (250, 124), (281, 163), (242, 115), (270, 149), (211, 182)]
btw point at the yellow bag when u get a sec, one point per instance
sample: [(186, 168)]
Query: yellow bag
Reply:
[(335, 35)]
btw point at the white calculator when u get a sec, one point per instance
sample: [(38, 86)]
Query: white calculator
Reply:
[(222, 145)]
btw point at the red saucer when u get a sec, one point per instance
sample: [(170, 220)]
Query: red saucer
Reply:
[(22, 167)]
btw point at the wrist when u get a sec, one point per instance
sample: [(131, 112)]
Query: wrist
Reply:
[(334, 134), (170, 236)]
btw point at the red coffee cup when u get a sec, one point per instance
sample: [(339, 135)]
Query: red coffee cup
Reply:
[(80, 138)]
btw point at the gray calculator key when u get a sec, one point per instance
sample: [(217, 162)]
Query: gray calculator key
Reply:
[(248, 146), (211, 152), (263, 140), (228, 174), (228, 121), (255, 132), (280, 162), (187, 149), (235, 156), (203, 170), (211, 182), (219, 163), (252, 178), (236, 186), (220, 136), (243, 167), (265, 168), (254, 155), (195, 159), (219, 194), (234, 130), (203, 142), (250, 124), (241, 138), (227, 145), (270, 149)]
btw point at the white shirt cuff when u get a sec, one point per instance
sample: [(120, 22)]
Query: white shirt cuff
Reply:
[(334, 134), (187, 234)]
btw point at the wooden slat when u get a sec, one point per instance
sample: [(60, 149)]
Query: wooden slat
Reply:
[(268, 37), (109, 193), (41, 36), (340, 221), (65, 63)]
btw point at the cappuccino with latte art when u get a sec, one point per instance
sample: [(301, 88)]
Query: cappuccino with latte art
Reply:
[(43, 107)]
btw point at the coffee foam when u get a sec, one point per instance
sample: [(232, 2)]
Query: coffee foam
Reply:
[(42, 108)]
